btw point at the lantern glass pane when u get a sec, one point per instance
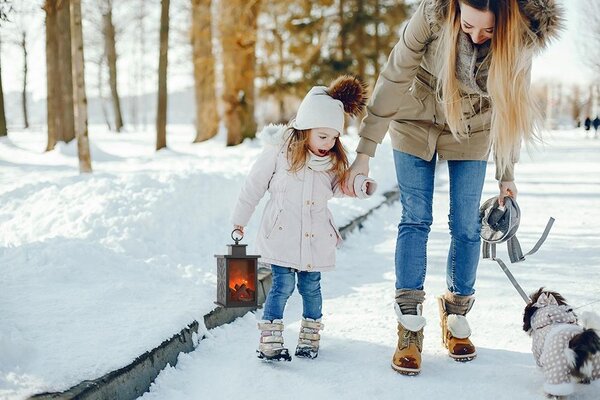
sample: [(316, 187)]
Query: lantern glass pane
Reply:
[(242, 280)]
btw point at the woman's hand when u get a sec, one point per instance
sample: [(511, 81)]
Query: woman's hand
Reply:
[(507, 189), (359, 166), (239, 227)]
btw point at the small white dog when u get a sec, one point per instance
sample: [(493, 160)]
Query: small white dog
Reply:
[(564, 350)]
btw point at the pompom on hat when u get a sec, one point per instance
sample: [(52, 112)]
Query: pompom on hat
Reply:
[(324, 107)]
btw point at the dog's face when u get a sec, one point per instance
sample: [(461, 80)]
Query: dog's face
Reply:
[(555, 310)]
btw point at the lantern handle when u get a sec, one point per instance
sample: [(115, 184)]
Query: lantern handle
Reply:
[(237, 240)]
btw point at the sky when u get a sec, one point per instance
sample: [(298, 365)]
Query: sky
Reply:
[(560, 62)]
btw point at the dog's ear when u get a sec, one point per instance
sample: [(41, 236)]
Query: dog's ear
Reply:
[(530, 309), (559, 298)]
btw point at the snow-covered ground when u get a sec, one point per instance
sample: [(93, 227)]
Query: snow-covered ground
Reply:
[(95, 270)]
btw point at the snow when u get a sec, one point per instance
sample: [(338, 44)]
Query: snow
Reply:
[(97, 269)]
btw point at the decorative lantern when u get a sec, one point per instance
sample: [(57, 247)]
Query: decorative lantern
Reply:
[(237, 277)]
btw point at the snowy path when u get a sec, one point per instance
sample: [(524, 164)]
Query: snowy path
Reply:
[(359, 336)]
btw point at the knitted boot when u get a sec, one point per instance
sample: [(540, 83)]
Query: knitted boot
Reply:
[(455, 328), (407, 356), (270, 347), (308, 340)]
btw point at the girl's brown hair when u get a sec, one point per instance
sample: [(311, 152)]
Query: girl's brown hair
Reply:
[(515, 114), (297, 152)]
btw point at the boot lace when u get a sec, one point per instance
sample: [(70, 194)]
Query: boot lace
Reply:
[(415, 338)]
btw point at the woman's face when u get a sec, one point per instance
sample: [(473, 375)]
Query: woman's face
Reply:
[(321, 140), (479, 25)]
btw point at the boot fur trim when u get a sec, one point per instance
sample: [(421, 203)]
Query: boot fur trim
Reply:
[(458, 326), (413, 323)]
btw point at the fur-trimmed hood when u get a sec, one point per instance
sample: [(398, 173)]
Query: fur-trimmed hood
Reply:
[(546, 17)]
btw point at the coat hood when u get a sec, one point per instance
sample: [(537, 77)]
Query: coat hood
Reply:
[(273, 135), (546, 17)]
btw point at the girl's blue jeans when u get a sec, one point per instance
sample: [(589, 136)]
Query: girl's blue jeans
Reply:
[(416, 181), (284, 281)]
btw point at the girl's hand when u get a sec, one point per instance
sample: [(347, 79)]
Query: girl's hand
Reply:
[(359, 166), (239, 227), (507, 189)]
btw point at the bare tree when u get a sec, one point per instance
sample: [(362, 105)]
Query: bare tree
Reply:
[(23, 44), (161, 114), (22, 33), (110, 50), (589, 34), (79, 97), (3, 130), (207, 119)]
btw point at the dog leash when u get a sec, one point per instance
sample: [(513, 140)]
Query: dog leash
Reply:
[(488, 250), (588, 304)]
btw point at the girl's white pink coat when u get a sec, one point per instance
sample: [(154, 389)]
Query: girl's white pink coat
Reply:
[(297, 229)]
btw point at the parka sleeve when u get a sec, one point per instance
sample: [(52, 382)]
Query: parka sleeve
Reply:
[(255, 186), (394, 80)]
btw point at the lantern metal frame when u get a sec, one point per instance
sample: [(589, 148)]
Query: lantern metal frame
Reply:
[(224, 264)]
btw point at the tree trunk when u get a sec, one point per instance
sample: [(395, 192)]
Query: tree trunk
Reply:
[(207, 119), (23, 45), (238, 27), (53, 81), (342, 30), (3, 130), (101, 93), (161, 114), (377, 39), (111, 58), (360, 38), (79, 97), (67, 119)]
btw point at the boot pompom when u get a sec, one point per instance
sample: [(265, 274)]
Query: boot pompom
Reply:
[(351, 91)]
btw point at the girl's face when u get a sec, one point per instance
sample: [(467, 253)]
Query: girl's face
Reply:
[(321, 140), (479, 25)]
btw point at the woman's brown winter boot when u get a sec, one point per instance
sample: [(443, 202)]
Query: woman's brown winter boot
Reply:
[(407, 357), (455, 328)]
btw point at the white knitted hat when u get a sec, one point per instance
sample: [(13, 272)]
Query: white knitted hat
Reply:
[(324, 107), (319, 110)]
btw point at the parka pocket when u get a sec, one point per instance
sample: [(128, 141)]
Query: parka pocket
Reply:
[(273, 225), (336, 233)]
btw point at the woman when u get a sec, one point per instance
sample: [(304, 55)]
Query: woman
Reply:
[(455, 87)]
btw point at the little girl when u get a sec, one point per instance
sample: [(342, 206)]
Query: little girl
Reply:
[(302, 168)]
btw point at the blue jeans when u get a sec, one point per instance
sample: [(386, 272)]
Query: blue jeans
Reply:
[(284, 280), (416, 180)]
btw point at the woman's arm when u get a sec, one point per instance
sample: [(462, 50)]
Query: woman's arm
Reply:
[(394, 80)]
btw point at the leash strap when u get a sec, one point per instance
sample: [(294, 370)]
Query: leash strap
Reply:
[(488, 251), (514, 247)]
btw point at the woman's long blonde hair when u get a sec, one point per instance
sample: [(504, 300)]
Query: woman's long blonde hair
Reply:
[(297, 147), (515, 114)]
